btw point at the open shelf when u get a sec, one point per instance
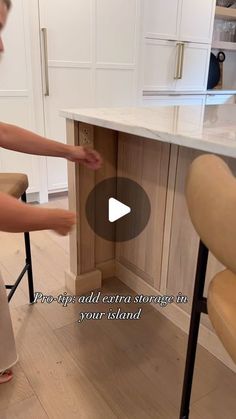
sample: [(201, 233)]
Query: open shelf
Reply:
[(224, 45), (226, 13)]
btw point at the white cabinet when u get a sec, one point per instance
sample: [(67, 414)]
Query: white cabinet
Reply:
[(162, 19), (176, 44), (17, 92), (160, 66), (197, 19), (183, 20), (195, 67), (92, 61), (68, 64)]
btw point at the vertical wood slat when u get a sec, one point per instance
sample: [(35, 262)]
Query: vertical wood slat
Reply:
[(81, 181), (106, 143), (147, 163), (88, 250), (72, 139)]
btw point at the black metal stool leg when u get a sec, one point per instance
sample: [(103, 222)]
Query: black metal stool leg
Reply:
[(198, 307), (28, 261)]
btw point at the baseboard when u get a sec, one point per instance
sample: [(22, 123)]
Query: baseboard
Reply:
[(58, 194), (33, 197), (58, 189), (180, 318), (79, 285), (107, 269)]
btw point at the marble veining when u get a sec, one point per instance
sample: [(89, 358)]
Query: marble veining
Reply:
[(210, 128)]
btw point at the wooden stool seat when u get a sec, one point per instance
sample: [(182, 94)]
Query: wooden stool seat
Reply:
[(221, 304), (14, 184)]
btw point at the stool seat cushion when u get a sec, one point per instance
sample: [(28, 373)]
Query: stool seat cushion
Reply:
[(222, 309), (14, 184)]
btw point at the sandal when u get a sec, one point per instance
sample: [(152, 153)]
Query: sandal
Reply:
[(6, 376)]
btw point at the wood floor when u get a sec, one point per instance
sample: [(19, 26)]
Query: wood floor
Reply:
[(98, 369)]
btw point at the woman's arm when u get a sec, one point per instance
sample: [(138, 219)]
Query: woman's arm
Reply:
[(16, 217), (19, 139)]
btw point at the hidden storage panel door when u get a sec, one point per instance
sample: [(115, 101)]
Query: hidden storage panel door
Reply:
[(145, 162)]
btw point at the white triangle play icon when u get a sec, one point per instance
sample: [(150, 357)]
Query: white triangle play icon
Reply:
[(117, 210)]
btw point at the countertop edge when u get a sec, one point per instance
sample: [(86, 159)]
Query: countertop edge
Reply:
[(212, 92), (175, 139)]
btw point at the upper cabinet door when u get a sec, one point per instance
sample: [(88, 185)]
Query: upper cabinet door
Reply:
[(194, 73), (197, 20), (184, 20), (159, 65), (162, 18)]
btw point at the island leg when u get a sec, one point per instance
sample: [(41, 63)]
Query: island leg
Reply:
[(91, 257)]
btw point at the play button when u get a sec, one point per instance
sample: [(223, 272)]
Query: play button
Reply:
[(118, 209)]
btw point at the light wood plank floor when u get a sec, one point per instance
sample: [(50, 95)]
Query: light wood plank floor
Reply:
[(98, 369)]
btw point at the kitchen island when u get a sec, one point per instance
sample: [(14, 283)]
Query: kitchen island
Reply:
[(153, 147)]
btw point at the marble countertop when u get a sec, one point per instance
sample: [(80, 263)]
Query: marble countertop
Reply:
[(210, 128), (212, 92)]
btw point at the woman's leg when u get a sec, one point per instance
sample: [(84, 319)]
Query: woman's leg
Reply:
[(8, 355)]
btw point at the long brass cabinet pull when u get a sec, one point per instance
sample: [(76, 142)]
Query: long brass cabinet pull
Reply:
[(45, 60), (180, 61)]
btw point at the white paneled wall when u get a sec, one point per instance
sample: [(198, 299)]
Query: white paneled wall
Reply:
[(70, 30), (16, 90), (116, 32)]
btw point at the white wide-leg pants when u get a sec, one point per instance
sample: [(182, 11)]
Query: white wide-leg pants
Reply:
[(8, 355)]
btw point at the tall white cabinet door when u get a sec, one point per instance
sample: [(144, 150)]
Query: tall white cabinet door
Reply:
[(116, 52), (16, 91), (195, 67), (197, 20), (69, 66), (162, 18), (159, 65), (92, 61)]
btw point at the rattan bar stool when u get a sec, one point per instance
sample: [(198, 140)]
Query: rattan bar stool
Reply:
[(211, 200), (16, 184)]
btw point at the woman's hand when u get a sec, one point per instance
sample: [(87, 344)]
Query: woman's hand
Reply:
[(86, 156), (62, 221)]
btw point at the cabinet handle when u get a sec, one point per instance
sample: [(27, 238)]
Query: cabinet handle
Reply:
[(45, 59), (180, 61)]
